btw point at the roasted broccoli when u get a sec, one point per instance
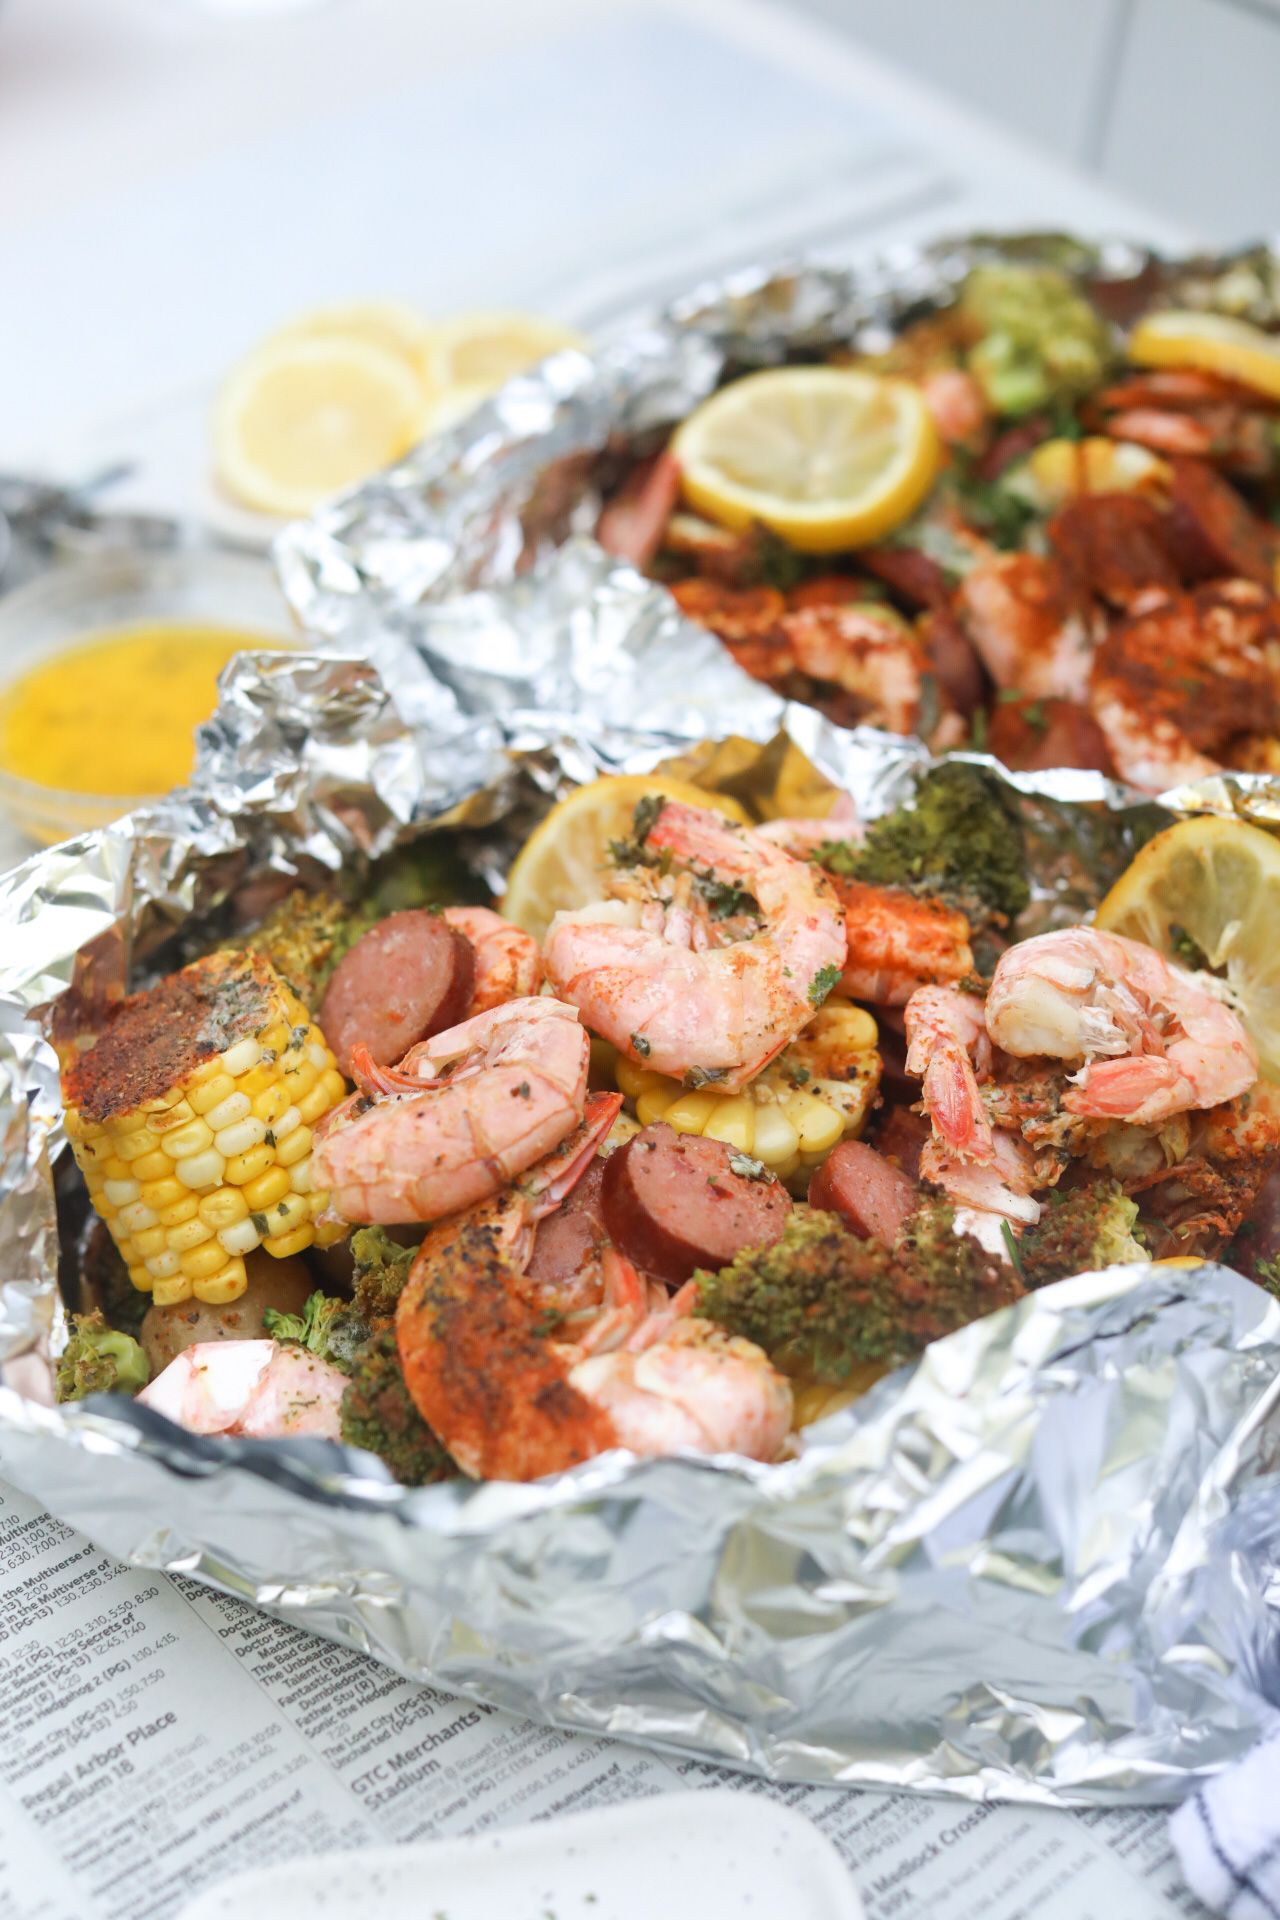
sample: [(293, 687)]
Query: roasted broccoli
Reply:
[(1037, 341), (327, 1327), (960, 838), (381, 1269), (379, 1415), (98, 1359), (1079, 1232), (305, 937), (820, 1300)]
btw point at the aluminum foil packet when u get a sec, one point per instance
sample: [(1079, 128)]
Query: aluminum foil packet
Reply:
[(1041, 1564)]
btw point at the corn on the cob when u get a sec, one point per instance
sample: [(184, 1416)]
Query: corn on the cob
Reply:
[(191, 1117), (818, 1091)]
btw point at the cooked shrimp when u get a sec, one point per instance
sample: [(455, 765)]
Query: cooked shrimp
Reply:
[(946, 1038), (898, 942), (508, 963), (870, 653), (255, 1388), (1185, 676), (1003, 1186), (631, 524), (801, 837), (464, 1113), (512, 1401), (1182, 411), (1154, 1041), (957, 403), (675, 988), (1024, 616)]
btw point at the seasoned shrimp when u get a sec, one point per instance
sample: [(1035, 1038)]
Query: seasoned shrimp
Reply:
[(1003, 1186), (1153, 1039), (898, 942), (512, 1401), (465, 1112), (508, 963), (1184, 679), (1182, 411), (946, 1039), (676, 988), (1024, 615), (255, 1388), (870, 653)]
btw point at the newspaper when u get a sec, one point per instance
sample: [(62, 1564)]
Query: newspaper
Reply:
[(156, 1736)]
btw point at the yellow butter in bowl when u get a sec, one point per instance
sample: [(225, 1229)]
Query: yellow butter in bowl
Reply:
[(117, 714)]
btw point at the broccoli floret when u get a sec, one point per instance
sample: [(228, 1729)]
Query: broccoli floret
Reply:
[(820, 1300), (960, 838), (1039, 342), (327, 1327), (381, 1269), (98, 1359), (1080, 1232), (305, 937), (378, 1414)]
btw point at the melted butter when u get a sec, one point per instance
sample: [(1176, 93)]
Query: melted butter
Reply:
[(116, 714)]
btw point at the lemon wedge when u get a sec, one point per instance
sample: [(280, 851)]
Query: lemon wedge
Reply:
[(304, 417), (1218, 882), (1213, 342), (562, 862), (469, 357), (829, 457), (392, 325)]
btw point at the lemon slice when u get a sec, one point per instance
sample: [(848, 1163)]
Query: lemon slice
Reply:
[(829, 457), (1212, 341), (561, 863), (1218, 881), (469, 357), (302, 418), (392, 325)]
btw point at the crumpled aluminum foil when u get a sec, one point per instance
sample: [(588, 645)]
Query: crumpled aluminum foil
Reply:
[(1040, 1565)]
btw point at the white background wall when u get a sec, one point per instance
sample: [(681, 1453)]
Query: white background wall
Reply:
[(1174, 101)]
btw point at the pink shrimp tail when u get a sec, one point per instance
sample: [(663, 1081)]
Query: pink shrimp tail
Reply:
[(373, 1079), (955, 1105), (1119, 1089)]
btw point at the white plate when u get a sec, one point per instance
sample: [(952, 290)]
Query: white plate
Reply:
[(681, 1856)]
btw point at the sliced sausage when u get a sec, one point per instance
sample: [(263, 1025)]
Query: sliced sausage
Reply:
[(874, 1197), (900, 1139), (1116, 543), (672, 1202), (567, 1239), (912, 575), (1213, 532), (409, 977)]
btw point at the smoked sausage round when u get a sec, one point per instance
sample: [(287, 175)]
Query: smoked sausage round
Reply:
[(410, 976), (673, 1202)]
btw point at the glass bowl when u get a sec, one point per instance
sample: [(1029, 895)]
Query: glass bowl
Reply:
[(90, 599)]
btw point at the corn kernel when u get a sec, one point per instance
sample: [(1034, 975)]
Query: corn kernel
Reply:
[(136, 1217), (223, 1208), (266, 1189), (330, 1234), (285, 1125), (300, 1176), (294, 1148), (785, 1168), (150, 1241), (242, 1238), (104, 1208), (141, 1279), (776, 1138), (162, 1266), (151, 1166), (655, 1100), (271, 1105), (224, 1287), (227, 1112), (162, 1101), (121, 1192), (690, 1113), (258, 1079), (201, 1170), (848, 1029), (631, 1078), (137, 1146), (238, 1059), (72, 1124), (168, 1293), (275, 1039), (299, 1079), (184, 1209), (184, 1142), (212, 1093), (241, 1137), (201, 1076), (163, 1193), (317, 1202), (118, 1231), (126, 1123), (289, 1243), (176, 1116), (247, 1166), (817, 1125), (201, 1263), (190, 1233), (734, 1122), (287, 1214), (114, 1168)]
